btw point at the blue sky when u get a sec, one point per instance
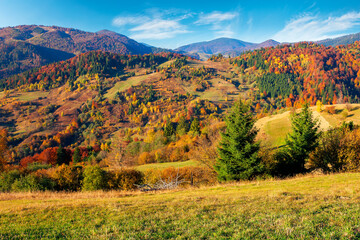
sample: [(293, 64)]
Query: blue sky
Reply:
[(174, 23)]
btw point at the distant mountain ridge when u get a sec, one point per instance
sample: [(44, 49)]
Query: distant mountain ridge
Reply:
[(227, 46), (220, 45), (27, 46), (343, 40)]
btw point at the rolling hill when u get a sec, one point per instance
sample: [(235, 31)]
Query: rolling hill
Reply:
[(18, 56), (27, 46), (343, 40), (226, 46)]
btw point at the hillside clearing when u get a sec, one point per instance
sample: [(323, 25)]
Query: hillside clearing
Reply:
[(274, 128), (307, 207), (167, 165), (124, 85)]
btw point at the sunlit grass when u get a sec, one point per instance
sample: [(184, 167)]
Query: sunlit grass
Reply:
[(124, 85), (308, 207), (277, 130), (29, 96), (167, 165)]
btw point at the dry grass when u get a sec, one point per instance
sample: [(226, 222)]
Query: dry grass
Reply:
[(305, 207), (167, 165), (132, 81)]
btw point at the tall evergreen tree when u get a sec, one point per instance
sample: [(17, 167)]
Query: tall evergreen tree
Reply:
[(169, 129), (238, 151), (302, 140), (61, 155), (182, 126), (195, 126), (76, 157)]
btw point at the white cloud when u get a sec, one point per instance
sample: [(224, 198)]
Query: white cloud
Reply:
[(221, 22), (122, 21), (313, 28), (164, 24), (215, 18), (154, 24), (225, 32), (158, 29)]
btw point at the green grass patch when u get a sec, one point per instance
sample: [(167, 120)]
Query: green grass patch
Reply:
[(167, 165), (166, 64), (309, 207), (124, 85), (339, 117), (29, 96), (277, 129)]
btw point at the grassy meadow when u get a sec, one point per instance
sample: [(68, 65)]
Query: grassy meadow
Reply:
[(274, 128), (161, 166), (305, 207)]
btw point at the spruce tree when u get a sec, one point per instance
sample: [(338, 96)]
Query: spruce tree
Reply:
[(169, 129), (182, 126), (302, 140), (76, 157), (61, 155), (238, 152), (195, 126)]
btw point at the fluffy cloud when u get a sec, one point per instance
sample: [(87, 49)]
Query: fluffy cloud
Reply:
[(158, 29), (122, 21), (156, 26), (164, 24), (315, 28), (221, 22), (215, 18)]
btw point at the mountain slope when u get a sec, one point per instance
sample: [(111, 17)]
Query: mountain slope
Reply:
[(238, 51), (27, 46), (20, 56), (227, 46), (343, 40), (216, 46)]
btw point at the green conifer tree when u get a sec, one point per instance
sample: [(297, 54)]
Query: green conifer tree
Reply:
[(182, 126), (61, 155), (76, 157), (195, 126), (169, 129), (302, 140), (238, 152)]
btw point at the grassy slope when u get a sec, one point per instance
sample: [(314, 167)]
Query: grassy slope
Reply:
[(124, 85), (167, 165), (275, 128), (309, 207), (29, 96)]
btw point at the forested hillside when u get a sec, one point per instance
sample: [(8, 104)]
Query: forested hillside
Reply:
[(293, 74), (28, 46), (119, 110)]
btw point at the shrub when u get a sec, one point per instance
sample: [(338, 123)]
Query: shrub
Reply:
[(330, 109), (125, 179), (338, 151), (326, 155), (145, 158), (33, 167), (7, 179), (178, 154), (152, 176), (94, 179), (188, 175), (67, 177), (30, 183)]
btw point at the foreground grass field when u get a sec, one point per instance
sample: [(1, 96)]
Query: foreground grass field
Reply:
[(308, 207)]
